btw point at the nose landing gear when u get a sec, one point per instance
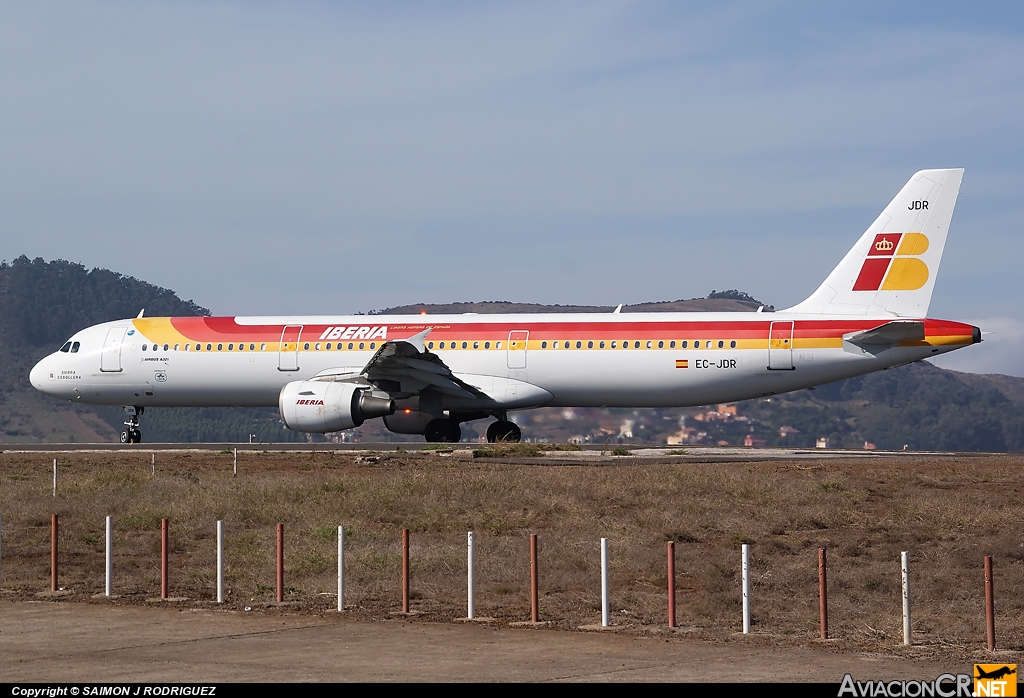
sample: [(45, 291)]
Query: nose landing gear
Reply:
[(131, 434)]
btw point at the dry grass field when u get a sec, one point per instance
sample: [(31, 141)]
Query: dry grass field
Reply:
[(948, 512)]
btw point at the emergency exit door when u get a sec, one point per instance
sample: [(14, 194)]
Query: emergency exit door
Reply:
[(517, 348), (780, 347)]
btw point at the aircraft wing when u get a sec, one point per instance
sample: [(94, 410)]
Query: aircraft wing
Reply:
[(404, 368), (888, 335)]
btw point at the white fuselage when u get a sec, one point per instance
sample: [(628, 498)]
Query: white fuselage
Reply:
[(520, 361)]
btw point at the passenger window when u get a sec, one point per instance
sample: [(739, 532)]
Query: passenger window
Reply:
[(186, 347), (317, 346), (732, 344), (362, 345), (350, 345), (579, 345), (707, 344), (305, 347), (177, 347), (442, 345), (636, 345), (672, 344), (476, 345), (66, 348), (143, 347), (721, 344), (649, 344), (209, 347), (601, 345), (328, 346), (543, 345), (430, 345), (231, 347), (373, 345), (661, 345), (263, 347), (464, 345), (683, 345), (220, 347), (614, 346), (497, 345), (487, 345)]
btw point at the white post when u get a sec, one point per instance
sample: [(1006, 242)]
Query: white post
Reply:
[(110, 556), (153, 461), (905, 564), (220, 562), (604, 583), (1, 551), (470, 587), (341, 568), (234, 467), (54, 477), (746, 589)]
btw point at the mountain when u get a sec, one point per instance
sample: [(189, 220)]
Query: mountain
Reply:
[(41, 305), (920, 406)]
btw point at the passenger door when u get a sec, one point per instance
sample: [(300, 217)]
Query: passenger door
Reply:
[(517, 348), (780, 347), (110, 357), (288, 353)]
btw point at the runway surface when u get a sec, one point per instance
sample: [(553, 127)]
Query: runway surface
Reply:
[(93, 642)]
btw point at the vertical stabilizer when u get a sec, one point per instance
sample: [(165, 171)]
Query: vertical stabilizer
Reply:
[(891, 270)]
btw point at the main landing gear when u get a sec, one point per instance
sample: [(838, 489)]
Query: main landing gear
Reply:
[(131, 434), (446, 431), (504, 430)]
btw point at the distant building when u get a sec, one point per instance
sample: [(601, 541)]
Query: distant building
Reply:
[(868, 446), (821, 443), (750, 441), (785, 431)]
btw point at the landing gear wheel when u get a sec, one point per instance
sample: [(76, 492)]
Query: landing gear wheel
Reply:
[(504, 431), (131, 434), (443, 431)]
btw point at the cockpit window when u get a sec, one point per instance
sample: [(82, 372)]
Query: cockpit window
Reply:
[(66, 348), (74, 347)]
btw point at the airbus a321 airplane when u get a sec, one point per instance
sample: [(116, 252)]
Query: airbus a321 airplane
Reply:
[(428, 374)]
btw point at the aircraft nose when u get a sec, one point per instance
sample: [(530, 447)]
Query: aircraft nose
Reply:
[(39, 376)]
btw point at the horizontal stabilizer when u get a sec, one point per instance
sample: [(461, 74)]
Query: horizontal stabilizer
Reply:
[(889, 334)]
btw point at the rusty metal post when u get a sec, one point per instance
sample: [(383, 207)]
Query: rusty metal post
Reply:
[(280, 563), (405, 570), (990, 611), (671, 584), (163, 558), (53, 552), (534, 603), (822, 595)]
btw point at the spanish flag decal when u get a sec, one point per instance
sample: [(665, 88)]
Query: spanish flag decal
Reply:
[(682, 363)]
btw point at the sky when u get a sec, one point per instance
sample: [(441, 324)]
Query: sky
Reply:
[(321, 157)]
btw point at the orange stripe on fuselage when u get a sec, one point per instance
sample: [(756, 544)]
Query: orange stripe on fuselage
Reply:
[(747, 333)]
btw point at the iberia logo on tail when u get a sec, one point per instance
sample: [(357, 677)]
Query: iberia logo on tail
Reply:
[(893, 263)]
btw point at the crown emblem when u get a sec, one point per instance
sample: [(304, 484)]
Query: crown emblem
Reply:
[(883, 245)]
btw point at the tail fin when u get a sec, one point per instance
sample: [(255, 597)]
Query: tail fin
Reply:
[(891, 270)]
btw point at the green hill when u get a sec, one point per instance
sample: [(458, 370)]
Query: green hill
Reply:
[(41, 305)]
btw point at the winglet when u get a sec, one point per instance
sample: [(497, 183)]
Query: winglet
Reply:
[(617, 309), (140, 313), (418, 340)]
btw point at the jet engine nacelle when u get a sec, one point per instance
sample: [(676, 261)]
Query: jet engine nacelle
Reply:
[(320, 407)]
